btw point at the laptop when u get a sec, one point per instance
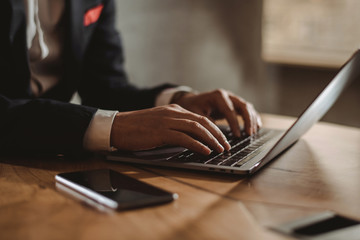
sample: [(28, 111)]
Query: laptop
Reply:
[(250, 153)]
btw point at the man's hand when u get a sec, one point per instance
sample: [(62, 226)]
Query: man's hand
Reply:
[(223, 104), (167, 125)]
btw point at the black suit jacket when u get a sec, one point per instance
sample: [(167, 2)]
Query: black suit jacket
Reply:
[(93, 67)]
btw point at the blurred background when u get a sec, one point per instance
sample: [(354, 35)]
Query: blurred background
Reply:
[(278, 54)]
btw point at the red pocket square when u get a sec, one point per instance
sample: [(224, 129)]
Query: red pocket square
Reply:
[(92, 15)]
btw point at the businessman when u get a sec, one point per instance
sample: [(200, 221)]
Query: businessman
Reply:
[(50, 49)]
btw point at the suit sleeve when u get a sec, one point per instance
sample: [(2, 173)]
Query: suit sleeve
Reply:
[(104, 83), (42, 126)]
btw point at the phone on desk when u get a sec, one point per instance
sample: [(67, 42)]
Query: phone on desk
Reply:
[(326, 225), (106, 189)]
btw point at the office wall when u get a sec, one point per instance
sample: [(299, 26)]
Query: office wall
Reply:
[(205, 44), (208, 44)]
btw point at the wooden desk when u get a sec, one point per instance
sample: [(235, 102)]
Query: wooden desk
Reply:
[(322, 171)]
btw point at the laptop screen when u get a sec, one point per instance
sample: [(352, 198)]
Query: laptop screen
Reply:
[(317, 109)]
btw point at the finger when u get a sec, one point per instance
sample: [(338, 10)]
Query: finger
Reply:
[(198, 131), (253, 122), (215, 131), (253, 119), (181, 113), (257, 119), (259, 122), (226, 107), (245, 111), (174, 137)]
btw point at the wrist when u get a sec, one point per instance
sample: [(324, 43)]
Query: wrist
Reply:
[(180, 95)]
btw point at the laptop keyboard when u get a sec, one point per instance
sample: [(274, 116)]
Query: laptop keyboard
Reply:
[(241, 149)]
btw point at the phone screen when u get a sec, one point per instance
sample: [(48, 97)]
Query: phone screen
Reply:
[(112, 189), (331, 224), (322, 225)]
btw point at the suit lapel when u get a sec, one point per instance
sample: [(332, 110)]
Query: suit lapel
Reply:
[(17, 44), (17, 18), (76, 27), (73, 48)]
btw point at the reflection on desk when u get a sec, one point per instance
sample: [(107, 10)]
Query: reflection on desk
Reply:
[(320, 172)]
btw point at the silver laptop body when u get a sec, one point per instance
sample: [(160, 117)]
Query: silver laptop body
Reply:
[(262, 149)]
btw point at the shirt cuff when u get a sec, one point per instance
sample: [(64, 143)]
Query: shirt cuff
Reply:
[(166, 95), (97, 135)]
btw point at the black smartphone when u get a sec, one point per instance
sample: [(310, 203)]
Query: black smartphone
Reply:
[(324, 225), (107, 188)]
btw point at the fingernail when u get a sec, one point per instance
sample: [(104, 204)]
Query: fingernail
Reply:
[(220, 148), (227, 146), (207, 151)]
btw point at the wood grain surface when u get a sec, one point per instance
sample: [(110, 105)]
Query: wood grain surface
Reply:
[(320, 172)]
